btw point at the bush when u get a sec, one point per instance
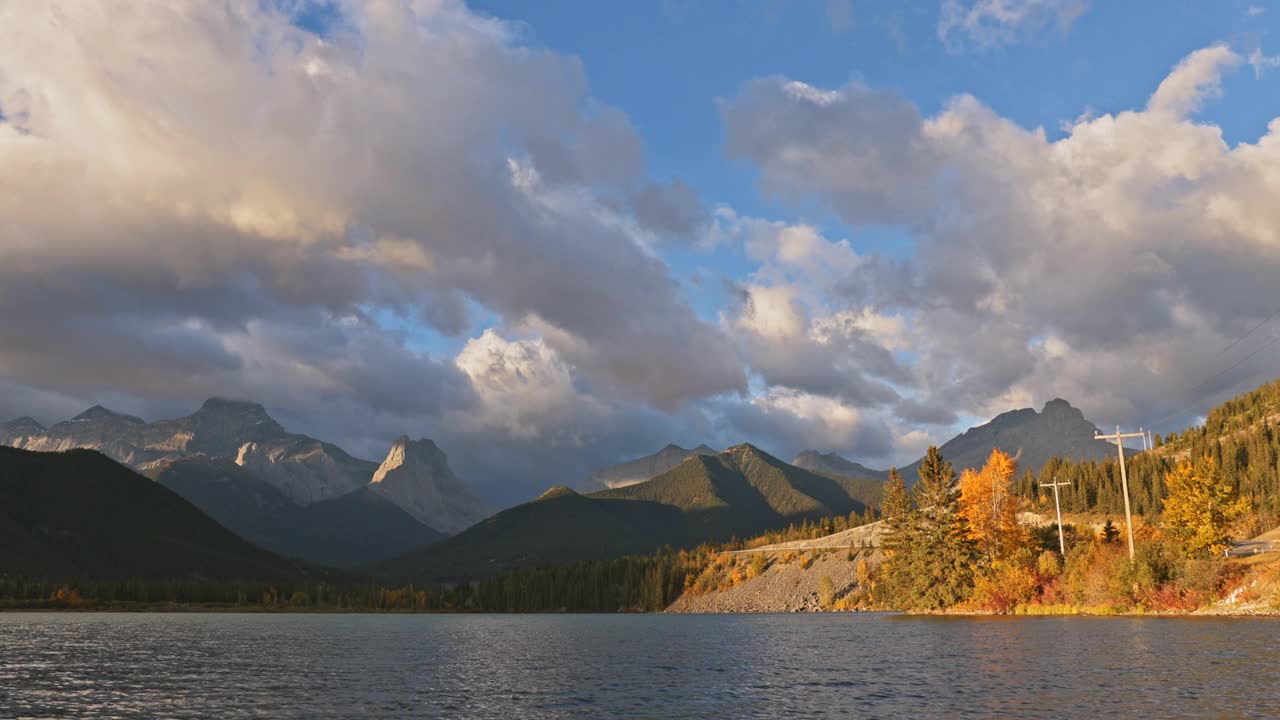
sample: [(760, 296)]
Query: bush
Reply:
[(1048, 565), (826, 592)]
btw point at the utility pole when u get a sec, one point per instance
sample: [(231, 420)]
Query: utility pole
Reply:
[(1124, 478), (1062, 544)]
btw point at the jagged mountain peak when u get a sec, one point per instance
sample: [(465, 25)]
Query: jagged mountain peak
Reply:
[(98, 412), (416, 476), (405, 451)]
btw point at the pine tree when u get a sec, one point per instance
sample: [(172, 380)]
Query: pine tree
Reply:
[(897, 499), (929, 563), (1110, 533)]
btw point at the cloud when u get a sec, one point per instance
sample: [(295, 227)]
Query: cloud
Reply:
[(1255, 11), (525, 389), (1260, 62), (166, 238), (855, 148), (1197, 78), (987, 24), (1107, 266)]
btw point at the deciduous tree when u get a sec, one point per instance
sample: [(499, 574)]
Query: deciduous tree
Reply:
[(1202, 502)]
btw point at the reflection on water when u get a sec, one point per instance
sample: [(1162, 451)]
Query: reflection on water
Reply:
[(634, 666)]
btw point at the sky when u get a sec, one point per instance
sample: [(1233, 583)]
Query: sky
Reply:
[(554, 236)]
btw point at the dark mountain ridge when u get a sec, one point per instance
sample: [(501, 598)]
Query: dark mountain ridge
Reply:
[(79, 514)]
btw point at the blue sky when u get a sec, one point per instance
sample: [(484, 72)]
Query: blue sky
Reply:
[(667, 63)]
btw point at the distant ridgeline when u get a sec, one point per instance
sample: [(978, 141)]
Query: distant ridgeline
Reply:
[(740, 493), (1240, 435)]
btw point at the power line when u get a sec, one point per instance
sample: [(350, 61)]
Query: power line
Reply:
[(1235, 342), (1210, 380)]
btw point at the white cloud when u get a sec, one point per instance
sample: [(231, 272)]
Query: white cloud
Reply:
[(816, 420), (1106, 266), (524, 389), (987, 24), (1197, 78)]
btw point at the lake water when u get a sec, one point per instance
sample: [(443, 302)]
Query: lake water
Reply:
[(634, 666)]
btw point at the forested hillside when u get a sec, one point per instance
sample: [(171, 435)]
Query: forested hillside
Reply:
[(1240, 436)]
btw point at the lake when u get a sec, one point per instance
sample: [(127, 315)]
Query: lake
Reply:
[(634, 666)]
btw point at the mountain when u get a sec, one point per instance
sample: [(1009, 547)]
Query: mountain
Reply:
[(305, 469), (290, 493), (740, 492), (835, 465), (416, 477), (22, 427), (1059, 430), (641, 469), (353, 529), (79, 514)]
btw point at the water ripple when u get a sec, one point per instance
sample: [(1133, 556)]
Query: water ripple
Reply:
[(629, 666)]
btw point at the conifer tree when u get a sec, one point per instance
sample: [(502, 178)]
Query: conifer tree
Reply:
[(929, 563), (1110, 533), (896, 504)]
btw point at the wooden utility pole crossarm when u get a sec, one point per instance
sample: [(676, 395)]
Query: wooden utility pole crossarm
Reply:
[(1119, 437)]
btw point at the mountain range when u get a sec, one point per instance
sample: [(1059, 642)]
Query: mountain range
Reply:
[(411, 517), (288, 493), (740, 492)]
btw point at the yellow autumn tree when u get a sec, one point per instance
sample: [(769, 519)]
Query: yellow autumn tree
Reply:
[(990, 508), (1201, 504)]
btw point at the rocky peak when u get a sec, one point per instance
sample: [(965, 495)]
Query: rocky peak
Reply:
[(410, 452), (1059, 410), (24, 425), (97, 413), (416, 476), (242, 410), (220, 427)]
